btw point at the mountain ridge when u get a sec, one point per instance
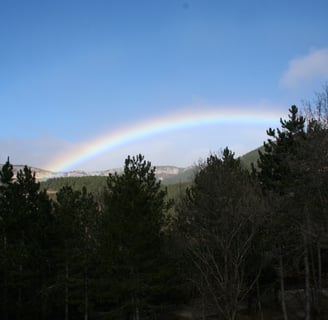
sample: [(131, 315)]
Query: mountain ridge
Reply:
[(168, 174)]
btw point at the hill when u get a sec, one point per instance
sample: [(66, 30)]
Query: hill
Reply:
[(167, 174), (96, 180), (251, 157)]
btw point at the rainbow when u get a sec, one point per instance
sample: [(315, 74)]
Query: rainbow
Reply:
[(175, 121)]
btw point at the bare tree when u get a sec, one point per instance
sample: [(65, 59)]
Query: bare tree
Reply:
[(221, 219)]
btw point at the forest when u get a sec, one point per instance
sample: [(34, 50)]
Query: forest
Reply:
[(236, 243)]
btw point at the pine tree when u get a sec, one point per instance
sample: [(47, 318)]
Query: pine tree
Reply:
[(25, 214), (132, 238), (6, 179), (280, 149), (77, 217), (87, 222), (66, 212), (288, 170)]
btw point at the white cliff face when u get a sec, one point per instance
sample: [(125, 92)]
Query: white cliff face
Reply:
[(170, 170)]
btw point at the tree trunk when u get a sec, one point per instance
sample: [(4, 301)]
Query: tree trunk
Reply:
[(86, 283), (20, 293), (86, 297), (5, 281), (313, 268), (307, 289), (282, 288), (233, 315), (203, 307), (66, 292), (258, 295), (44, 297), (319, 276), (137, 311)]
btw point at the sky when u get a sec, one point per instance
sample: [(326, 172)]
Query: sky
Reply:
[(83, 83)]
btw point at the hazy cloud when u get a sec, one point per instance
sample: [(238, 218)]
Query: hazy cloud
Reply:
[(313, 66)]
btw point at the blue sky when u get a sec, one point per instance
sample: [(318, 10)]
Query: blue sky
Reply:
[(71, 71)]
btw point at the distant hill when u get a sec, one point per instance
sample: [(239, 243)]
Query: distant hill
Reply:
[(40, 174), (250, 157), (167, 174)]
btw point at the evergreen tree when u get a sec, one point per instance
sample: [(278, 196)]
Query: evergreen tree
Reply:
[(25, 213), (132, 239), (6, 220), (280, 149), (66, 213), (76, 216), (290, 172), (87, 223)]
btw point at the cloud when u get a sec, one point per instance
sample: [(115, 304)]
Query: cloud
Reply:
[(306, 69)]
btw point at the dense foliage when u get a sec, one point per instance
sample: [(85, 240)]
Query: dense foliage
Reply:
[(229, 242)]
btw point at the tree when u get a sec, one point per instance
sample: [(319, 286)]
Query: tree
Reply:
[(25, 213), (318, 108), (76, 223), (316, 114), (6, 179), (87, 222), (291, 167), (132, 239), (280, 149), (221, 219)]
